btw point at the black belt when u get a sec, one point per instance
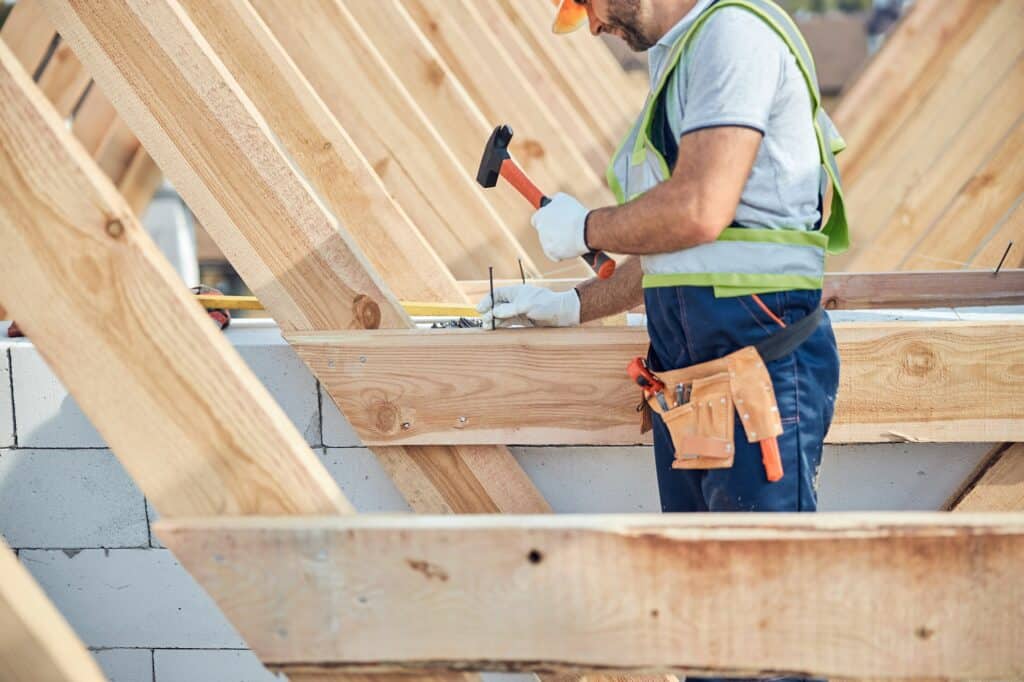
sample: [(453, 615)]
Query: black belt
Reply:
[(782, 343)]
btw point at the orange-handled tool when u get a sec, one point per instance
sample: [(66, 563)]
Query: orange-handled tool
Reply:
[(497, 162), (771, 459)]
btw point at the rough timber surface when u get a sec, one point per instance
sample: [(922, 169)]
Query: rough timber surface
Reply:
[(915, 595), (167, 392), (913, 381)]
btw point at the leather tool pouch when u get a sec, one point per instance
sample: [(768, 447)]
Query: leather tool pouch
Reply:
[(702, 429)]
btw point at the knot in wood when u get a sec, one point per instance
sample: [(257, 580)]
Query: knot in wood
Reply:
[(919, 360), (115, 228), (366, 312)]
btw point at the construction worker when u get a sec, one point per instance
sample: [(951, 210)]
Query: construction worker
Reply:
[(721, 186)]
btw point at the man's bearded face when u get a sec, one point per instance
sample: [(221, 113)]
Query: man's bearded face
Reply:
[(626, 19)]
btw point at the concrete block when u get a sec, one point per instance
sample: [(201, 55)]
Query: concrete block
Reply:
[(48, 417), (6, 401), (338, 433), (593, 479), (126, 665), (130, 598), (287, 379), (210, 666), (895, 476), (363, 480), (69, 499)]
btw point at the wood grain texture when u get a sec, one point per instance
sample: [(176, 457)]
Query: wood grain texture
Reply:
[(488, 16), (64, 79), (28, 33), (211, 142), (36, 643), (263, 215), (189, 421), (323, 151), (391, 129), (542, 146), (915, 595), (945, 382), (1000, 488)]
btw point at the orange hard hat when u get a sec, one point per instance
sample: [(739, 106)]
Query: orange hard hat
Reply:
[(571, 16)]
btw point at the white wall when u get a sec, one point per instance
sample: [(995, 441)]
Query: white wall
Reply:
[(82, 528)]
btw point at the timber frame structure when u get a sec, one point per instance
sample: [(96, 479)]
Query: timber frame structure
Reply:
[(239, 104)]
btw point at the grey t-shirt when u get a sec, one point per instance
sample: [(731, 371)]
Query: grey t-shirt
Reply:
[(738, 72)]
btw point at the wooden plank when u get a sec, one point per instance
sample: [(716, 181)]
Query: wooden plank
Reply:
[(983, 203), (397, 138), (189, 421), (508, 13), (140, 181), (323, 151), (210, 141), (488, 17), (36, 643), (935, 381), (885, 290), (208, 138), (1000, 488), (1008, 235), (64, 80), (904, 222), (28, 33), (93, 120), (499, 93), (914, 595)]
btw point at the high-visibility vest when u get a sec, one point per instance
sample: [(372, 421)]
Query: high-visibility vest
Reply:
[(743, 260)]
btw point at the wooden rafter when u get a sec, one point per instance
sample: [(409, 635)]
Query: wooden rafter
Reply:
[(391, 130), (945, 381), (187, 418), (914, 595), (36, 643), (265, 217)]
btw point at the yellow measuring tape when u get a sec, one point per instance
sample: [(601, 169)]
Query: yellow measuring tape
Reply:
[(414, 308)]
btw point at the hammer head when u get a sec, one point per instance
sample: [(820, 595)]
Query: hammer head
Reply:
[(495, 154)]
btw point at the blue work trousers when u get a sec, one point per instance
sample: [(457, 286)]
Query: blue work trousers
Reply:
[(688, 326)]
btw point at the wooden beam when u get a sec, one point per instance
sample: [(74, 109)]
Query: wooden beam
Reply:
[(878, 290), (28, 33), (219, 153), (1000, 487), (36, 643), (399, 140), (323, 150), (189, 421), (945, 382), (901, 595), (64, 80), (207, 136), (488, 16)]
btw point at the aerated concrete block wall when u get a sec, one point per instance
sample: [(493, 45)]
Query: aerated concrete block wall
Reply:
[(82, 527)]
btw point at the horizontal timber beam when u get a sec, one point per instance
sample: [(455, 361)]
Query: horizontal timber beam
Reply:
[(900, 381), (914, 595), (871, 290)]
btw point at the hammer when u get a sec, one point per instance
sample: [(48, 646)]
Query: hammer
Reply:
[(497, 161)]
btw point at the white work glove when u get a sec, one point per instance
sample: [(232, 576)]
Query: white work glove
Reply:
[(527, 306), (561, 225)]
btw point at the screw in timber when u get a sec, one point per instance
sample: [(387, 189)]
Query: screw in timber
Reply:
[(490, 273), (522, 272)]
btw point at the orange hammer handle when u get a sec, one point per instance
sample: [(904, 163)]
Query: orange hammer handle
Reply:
[(515, 176), (598, 261)]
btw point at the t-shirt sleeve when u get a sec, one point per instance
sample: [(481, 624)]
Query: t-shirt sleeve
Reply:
[(733, 71)]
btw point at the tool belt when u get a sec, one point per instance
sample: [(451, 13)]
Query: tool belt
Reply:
[(697, 402)]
